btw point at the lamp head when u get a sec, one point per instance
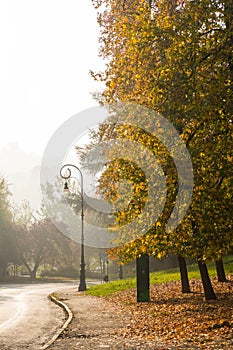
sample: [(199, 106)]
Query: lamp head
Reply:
[(66, 187)]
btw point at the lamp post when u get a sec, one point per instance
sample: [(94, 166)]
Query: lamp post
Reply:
[(65, 173)]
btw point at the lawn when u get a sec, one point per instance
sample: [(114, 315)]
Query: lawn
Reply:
[(163, 276)]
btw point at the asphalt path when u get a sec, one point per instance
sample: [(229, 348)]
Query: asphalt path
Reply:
[(28, 319)]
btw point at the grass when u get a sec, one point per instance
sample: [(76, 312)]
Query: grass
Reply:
[(163, 276)]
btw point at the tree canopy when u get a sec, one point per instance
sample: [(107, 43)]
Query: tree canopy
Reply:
[(174, 57)]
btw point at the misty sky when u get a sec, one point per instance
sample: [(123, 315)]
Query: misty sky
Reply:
[(47, 50)]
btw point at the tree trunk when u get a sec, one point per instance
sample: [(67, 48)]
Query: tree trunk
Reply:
[(184, 275), (220, 271), (143, 278), (208, 288), (3, 270), (33, 274), (120, 272), (28, 268), (35, 268)]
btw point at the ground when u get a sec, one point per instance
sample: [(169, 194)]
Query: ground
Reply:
[(171, 320)]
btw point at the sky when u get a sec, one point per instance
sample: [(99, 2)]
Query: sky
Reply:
[(47, 49)]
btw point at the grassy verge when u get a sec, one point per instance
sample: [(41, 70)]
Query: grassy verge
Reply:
[(157, 277)]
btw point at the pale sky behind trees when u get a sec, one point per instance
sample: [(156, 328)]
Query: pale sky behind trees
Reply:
[(47, 50)]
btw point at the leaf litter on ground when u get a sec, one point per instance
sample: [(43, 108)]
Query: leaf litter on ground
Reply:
[(180, 321)]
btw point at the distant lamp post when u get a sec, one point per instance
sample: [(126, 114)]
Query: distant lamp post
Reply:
[(66, 187), (65, 173)]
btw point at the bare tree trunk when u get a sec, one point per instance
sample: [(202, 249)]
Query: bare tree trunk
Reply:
[(184, 275), (208, 288), (220, 271), (143, 278), (120, 272), (33, 272)]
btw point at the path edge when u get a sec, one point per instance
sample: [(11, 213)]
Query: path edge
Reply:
[(69, 315)]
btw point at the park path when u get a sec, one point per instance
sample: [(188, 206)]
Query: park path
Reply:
[(95, 325)]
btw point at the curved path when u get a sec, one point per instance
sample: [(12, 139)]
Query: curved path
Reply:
[(28, 319)]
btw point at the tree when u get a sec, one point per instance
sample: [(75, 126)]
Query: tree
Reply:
[(220, 271), (8, 251), (39, 241), (179, 63), (184, 275)]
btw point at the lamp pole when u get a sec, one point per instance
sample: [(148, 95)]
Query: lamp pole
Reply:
[(65, 173)]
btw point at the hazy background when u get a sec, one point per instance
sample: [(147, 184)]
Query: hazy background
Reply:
[(47, 50)]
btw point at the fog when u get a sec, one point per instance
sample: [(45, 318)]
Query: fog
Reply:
[(44, 81), (22, 171)]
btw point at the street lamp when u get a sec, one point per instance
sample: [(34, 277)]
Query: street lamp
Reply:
[(66, 175)]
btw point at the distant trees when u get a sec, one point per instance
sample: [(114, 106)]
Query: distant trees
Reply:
[(8, 250), (39, 242), (29, 243)]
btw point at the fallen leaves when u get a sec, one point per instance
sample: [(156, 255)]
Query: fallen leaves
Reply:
[(180, 320)]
